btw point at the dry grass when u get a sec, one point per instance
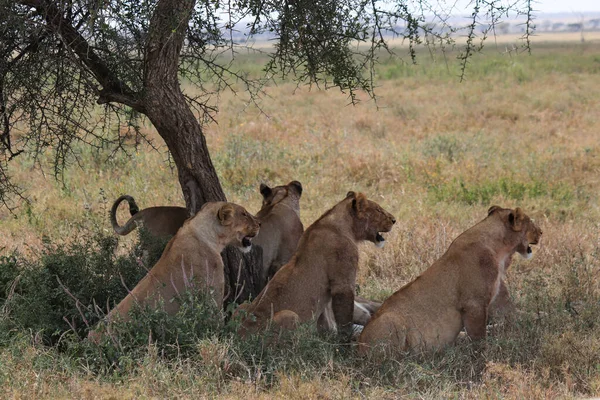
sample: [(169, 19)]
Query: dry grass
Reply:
[(522, 131)]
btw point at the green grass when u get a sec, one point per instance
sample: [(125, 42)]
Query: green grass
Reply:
[(483, 193)]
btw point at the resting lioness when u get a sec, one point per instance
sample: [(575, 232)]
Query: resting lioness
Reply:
[(323, 269), (159, 221), (281, 227), (193, 257), (456, 291)]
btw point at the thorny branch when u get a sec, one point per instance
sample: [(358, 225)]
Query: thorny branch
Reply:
[(60, 59)]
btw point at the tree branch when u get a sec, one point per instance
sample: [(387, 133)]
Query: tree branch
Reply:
[(166, 34), (113, 88)]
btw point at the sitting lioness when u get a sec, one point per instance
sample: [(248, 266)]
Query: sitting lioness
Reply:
[(280, 232), (159, 221), (281, 227), (456, 291), (193, 257), (323, 269)]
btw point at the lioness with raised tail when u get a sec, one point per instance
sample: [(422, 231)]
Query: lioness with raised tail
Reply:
[(159, 221), (193, 258)]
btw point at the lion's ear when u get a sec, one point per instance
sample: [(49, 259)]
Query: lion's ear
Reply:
[(359, 203), (350, 194), (493, 209), (516, 218), (296, 185), (225, 214), (265, 190)]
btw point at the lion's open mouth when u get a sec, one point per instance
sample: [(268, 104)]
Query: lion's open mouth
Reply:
[(247, 241), (379, 240), (529, 252)]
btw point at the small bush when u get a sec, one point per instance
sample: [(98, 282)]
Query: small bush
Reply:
[(445, 146), (484, 192), (8, 274), (56, 293), (172, 336)]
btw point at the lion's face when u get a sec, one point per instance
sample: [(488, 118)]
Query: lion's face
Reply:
[(289, 194), (532, 236), (525, 229), (241, 226), (373, 219)]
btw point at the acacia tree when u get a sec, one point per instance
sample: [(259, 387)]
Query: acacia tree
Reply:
[(60, 59)]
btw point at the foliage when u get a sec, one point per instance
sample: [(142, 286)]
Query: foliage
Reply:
[(59, 60), (484, 192), (60, 290)]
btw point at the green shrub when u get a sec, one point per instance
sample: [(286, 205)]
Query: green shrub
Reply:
[(172, 336), (484, 192), (444, 146), (56, 292), (8, 274)]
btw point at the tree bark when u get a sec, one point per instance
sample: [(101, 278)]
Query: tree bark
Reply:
[(166, 107), (168, 111)]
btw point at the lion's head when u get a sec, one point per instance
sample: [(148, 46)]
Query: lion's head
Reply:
[(286, 194), (371, 219), (521, 229), (235, 225)]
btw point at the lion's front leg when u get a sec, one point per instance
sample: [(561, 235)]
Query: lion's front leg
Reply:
[(342, 301), (474, 317), (502, 306)]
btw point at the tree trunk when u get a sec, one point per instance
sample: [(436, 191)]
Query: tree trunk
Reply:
[(169, 112), (165, 105), (162, 100)]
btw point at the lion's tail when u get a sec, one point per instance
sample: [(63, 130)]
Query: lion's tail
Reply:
[(129, 225)]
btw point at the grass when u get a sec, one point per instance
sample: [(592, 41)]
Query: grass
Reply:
[(521, 131)]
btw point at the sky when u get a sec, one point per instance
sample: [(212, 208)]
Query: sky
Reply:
[(542, 6), (555, 6)]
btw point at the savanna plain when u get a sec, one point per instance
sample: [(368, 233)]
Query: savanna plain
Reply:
[(521, 130)]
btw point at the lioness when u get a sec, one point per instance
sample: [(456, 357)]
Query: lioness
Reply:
[(281, 227), (323, 269), (456, 291), (159, 221), (193, 257), (280, 232)]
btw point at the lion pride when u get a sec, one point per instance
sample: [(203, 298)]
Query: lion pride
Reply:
[(323, 269), (456, 291)]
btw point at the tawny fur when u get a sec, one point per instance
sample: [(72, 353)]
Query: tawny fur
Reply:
[(456, 291), (280, 232), (323, 269), (159, 221), (281, 227), (193, 257)]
